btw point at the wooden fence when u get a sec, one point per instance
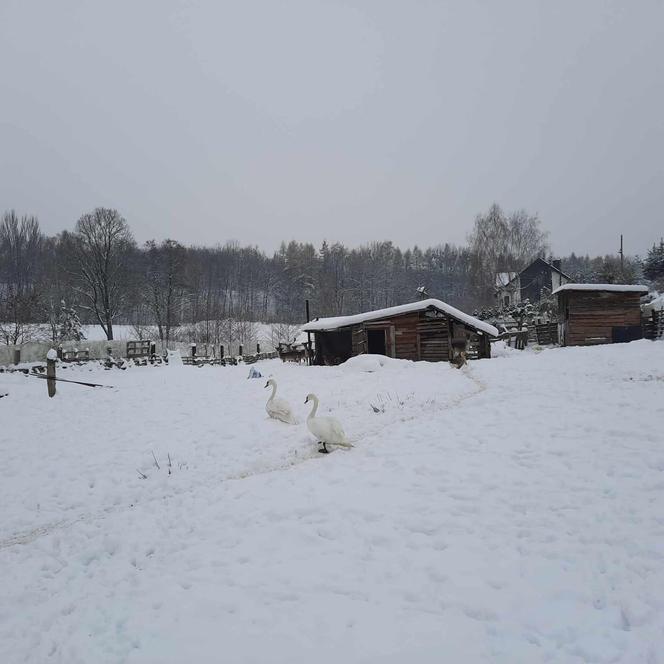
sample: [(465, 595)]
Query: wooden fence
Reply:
[(111, 352), (653, 325), (547, 334), (518, 338), (228, 361), (70, 351)]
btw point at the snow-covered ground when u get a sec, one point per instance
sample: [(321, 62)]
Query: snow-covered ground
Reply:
[(509, 512), (120, 332)]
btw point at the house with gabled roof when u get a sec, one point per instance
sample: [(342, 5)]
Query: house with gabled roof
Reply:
[(533, 283)]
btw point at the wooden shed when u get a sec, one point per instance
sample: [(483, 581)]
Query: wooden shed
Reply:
[(426, 330), (590, 314)]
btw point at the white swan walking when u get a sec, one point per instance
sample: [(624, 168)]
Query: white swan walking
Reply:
[(327, 430), (279, 409)]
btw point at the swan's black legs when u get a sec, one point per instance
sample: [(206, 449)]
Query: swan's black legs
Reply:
[(324, 450)]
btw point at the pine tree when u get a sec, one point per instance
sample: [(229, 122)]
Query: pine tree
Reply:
[(70, 325), (653, 266)]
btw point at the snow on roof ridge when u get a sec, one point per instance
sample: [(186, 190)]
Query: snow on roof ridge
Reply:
[(611, 288), (557, 269), (343, 321)]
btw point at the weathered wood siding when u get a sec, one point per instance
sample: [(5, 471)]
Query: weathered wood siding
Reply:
[(359, 340), (411, 336), (405, 332), (434, 338), (590, 317)]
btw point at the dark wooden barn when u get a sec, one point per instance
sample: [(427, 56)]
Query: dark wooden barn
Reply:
[(590, 314), (426, 330)]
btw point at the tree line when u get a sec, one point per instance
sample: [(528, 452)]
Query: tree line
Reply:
[(97, 272)]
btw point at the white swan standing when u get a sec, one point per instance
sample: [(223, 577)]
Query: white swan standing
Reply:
[(327, 430), (279, 409)]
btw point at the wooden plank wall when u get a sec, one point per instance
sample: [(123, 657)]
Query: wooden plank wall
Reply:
[(405, 333), (434, 338), (417, 337), (359, 340), (546, 333), (593, 315)]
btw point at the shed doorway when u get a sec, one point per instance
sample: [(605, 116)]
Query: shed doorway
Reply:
[(376, 342)]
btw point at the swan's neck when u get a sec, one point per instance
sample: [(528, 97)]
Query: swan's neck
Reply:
[(274, 391), (314, 409)]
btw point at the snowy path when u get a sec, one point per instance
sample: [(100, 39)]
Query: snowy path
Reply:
[(514, 513)]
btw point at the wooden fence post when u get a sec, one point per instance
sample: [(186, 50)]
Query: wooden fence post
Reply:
[(240, 351), (221, 352), (51, 357), (17, 356), (258, 349)]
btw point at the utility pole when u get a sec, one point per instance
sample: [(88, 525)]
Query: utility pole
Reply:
[(622, 260)]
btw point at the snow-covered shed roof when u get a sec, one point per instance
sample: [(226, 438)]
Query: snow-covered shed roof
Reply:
[(604, 288), (327, 324)]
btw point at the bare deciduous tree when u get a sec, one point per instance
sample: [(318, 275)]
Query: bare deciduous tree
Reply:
[(102, 245), (21, 242), (165, 277), (499, 243), (283, 333)]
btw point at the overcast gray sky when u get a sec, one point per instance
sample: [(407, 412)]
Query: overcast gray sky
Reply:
[(352, 121)]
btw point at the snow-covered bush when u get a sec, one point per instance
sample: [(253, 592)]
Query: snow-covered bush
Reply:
[(70, 328)]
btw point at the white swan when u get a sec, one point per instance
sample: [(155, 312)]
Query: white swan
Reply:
[(327, 430), (279, 409)]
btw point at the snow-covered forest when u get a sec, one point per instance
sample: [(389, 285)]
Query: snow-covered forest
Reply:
[(97, 272)]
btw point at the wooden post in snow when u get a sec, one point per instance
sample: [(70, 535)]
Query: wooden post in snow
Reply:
[(17, 356), (51, 357), (258, 349)]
